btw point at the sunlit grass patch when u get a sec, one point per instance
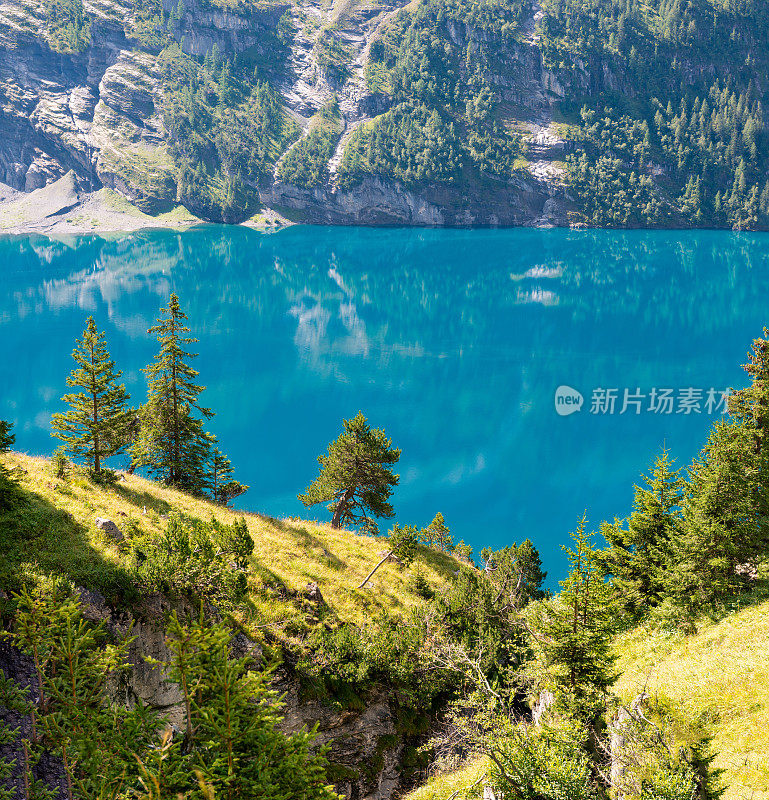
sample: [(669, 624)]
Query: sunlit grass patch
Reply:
[(717, 679), (467, 782), (55, 534)]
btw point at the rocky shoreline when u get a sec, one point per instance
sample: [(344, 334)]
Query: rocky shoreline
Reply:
[(62, 208)]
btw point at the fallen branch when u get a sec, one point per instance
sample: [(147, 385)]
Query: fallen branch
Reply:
[(456, 794), (368, 577)]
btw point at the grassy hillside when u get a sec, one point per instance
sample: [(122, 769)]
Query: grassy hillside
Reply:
[(715, 681), (718, 679), (56, 534)]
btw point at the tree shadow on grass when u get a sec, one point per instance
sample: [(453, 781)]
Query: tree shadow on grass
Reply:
[(307, 541), (36, 537), (140, 499)]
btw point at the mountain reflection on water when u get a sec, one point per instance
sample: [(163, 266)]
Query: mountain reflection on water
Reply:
[(454, 341)]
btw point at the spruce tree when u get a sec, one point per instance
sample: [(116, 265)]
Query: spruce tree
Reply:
[(95, 741), (720, 529), (639, 551), (8, 484), (751, 407), (437, 535), (171, 442), (356, 476), (232, 743), (220, 483), (515, 572), (575, 630), (94, 427)]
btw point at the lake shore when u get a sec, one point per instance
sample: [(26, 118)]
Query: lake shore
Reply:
[(61, 208)]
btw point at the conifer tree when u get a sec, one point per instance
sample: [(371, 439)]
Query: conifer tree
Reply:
[(720, 529), (356, 476), (8, 484), (232, 743), (639, 551), (94, 427), (94, 740), (751, 406), (171, 442), (515, 572), (575, 630), (220, 483), (437, 535)]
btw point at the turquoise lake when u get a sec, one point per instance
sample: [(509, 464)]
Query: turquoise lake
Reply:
[(454, 341)]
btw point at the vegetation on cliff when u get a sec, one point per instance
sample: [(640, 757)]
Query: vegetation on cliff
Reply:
[(226, 128), (656, 109), (688, 146)]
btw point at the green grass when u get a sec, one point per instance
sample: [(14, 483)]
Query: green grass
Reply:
[(117, 202), (466, 782), (55, 534), (718, 679)]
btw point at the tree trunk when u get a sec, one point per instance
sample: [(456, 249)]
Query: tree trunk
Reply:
[(341, 507), (96, 458)]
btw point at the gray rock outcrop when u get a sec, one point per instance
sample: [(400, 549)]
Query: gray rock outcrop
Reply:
[(110, 528), (97, 116)]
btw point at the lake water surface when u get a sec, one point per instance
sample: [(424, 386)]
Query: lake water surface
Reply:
[(454, 341)]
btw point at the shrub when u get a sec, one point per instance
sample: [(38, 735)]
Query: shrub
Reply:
[(199, 559)]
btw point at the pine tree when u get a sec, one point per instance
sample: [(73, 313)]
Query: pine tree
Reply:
[(515, 572), (94, 740), (94, 427), (220, 471), (356, 477), (232, 743), (437, 535), (171, 442), (751, 406), (576, 629), (638, 554), (720, 529), (220, 483), (8, 484)]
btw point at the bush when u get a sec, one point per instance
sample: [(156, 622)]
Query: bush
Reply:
[(198, 559), (349, 660)]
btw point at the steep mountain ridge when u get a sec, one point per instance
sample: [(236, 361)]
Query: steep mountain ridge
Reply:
[(99, 112), (447, 112)]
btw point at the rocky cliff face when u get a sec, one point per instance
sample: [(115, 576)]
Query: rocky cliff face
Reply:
[(532, 196), (97, 113), (365, 747)]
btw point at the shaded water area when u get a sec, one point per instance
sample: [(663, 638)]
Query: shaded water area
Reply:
[(454, 341)]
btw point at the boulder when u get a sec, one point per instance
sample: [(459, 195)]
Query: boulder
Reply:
[(109, 527), (93, 605), (312, 593)]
